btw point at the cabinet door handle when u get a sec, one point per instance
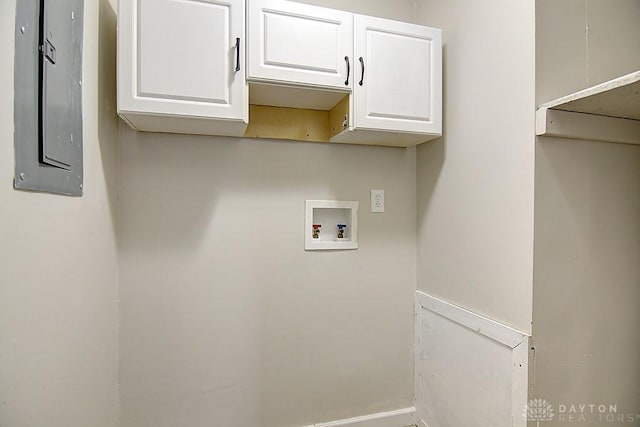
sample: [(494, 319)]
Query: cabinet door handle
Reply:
[(362, 77), (346, 82), (237, 53)]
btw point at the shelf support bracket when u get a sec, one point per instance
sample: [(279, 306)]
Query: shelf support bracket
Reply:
[(568, 124)]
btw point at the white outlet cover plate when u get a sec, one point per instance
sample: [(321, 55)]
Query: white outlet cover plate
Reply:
[(377, 200)]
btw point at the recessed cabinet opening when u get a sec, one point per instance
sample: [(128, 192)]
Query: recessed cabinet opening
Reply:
[(317, 117)]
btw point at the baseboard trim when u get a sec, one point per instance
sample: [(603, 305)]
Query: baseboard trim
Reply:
[(399, 418)]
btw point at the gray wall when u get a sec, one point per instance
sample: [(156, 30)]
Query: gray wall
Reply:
[(475, 184), (587, 219), (224, 317), (58, 261)]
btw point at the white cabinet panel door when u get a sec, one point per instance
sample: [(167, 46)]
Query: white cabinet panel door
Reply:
[(398, 75), (296, 43), (183, 58)]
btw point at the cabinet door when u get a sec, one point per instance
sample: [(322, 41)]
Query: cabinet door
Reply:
[(296, 43), (398, 76), (182, 58)]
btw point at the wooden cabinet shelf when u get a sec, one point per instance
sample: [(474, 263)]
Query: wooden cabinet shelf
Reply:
[(607, 112)]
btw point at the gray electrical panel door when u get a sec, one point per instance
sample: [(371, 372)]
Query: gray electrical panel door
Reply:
[(61, 91), (48, 90)]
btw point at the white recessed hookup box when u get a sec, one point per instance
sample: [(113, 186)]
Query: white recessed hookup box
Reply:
[(331, 225)]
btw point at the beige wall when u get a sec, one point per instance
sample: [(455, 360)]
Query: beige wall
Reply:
[(58, 261), (475, 184), (587, 219), (225, 319), (402, 10), (569, 57)]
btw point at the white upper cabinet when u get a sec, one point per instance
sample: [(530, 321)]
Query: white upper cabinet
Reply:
[(298, 44), (398, 78), (181, 69), (181, 66)]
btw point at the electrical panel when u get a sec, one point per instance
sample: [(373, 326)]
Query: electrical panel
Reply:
[(48, 96)]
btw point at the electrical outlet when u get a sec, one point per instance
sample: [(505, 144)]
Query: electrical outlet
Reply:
[(377, 200)]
